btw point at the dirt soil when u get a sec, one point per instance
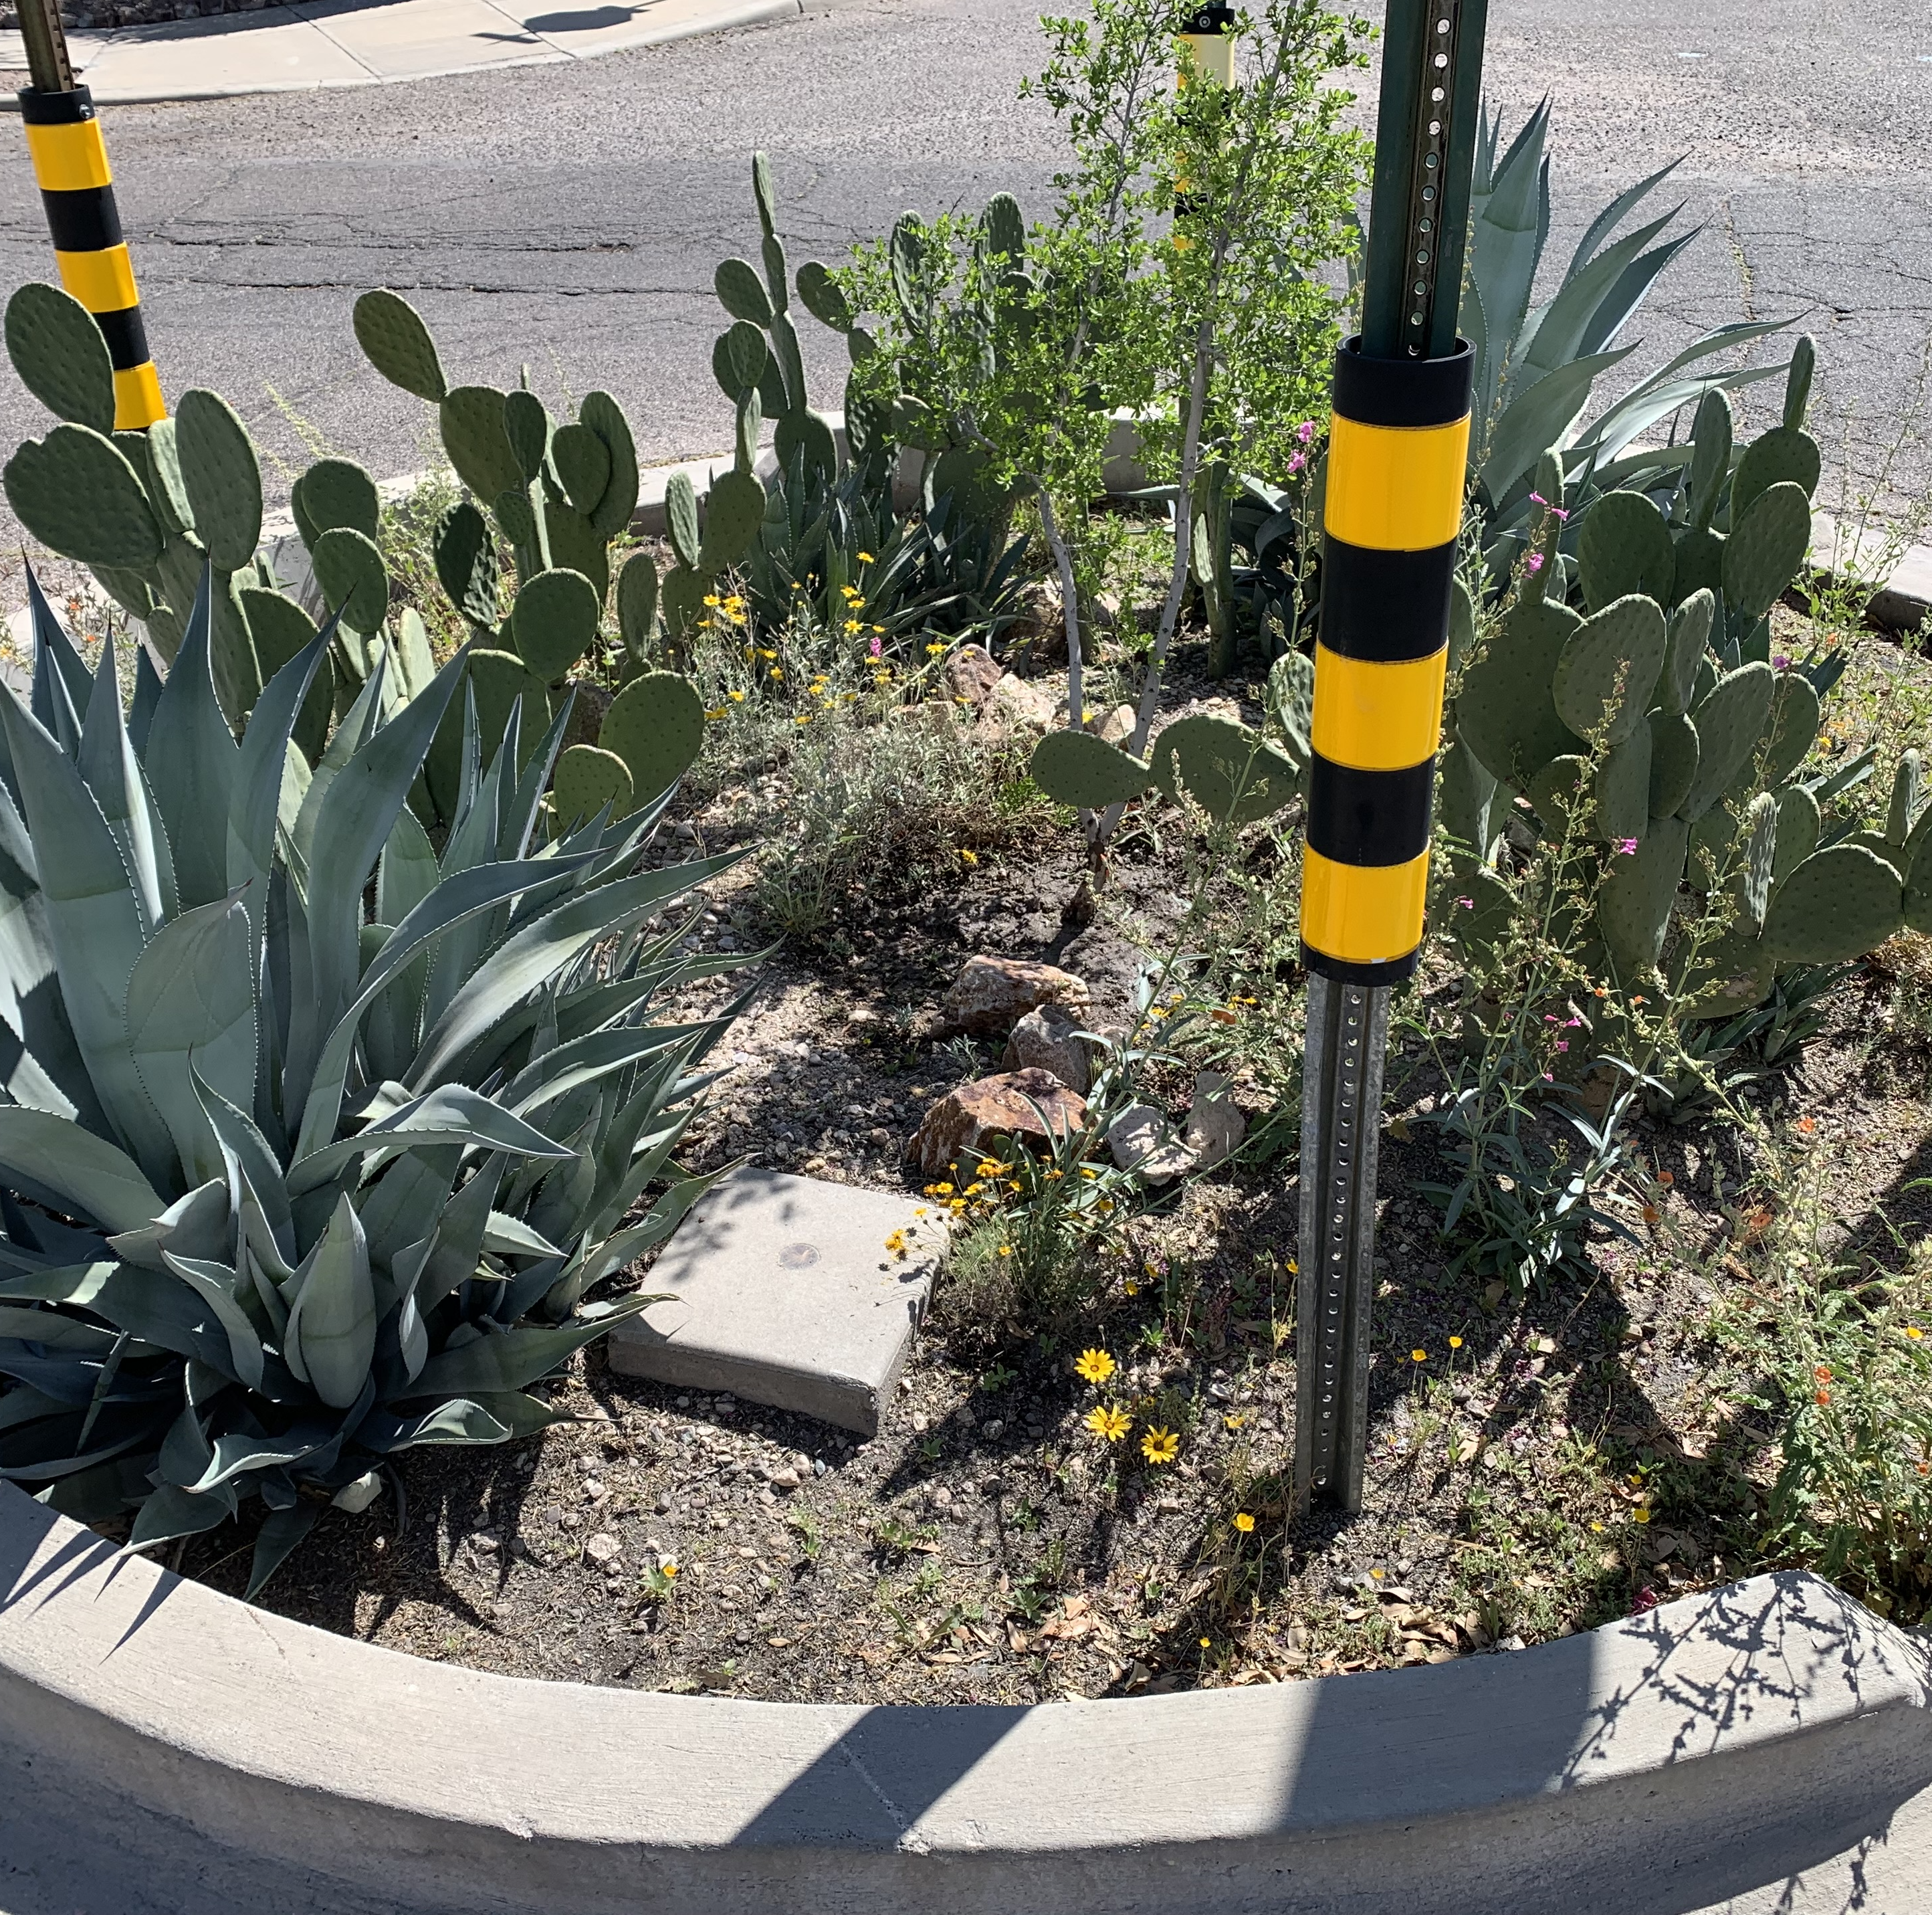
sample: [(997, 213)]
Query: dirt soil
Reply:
[(1537, 1467)]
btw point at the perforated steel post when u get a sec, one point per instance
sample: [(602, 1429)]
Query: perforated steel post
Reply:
[(1397, 450)]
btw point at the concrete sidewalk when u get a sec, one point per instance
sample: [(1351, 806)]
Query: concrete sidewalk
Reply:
[(308, 43)]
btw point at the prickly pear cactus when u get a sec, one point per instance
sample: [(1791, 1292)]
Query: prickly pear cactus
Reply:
[(1233, 774), (655, 725)]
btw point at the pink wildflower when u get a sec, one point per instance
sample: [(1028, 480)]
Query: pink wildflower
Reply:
[(1305, 431), (1295, 464), (1534, 564), (1627, 847), (1782, 662), (1467, 904), (875, 647), (1563, 1043)]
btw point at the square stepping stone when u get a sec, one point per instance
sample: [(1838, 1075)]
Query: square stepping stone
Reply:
[(786, 1294)]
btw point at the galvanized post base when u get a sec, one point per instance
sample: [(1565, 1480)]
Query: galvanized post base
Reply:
[(1341, 1109)]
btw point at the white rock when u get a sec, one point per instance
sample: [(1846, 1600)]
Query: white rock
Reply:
[(603, 1548)]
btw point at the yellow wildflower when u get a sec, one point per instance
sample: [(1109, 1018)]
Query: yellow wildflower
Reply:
[(736, 697), (1243, 1522), (1160, 1445), (865, 558), (1109, 1425), (931, 650), (711, 599), (968, 858), (1094, 1366)]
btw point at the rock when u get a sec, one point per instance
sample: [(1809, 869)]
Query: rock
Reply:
[(1014, 709), (1038, 636), (783, 1479), (971, 673), (1141, 1138), (603, 1548), (1215, 1127), (976, 1116), (990, 995), (1047, 1039), (1117, 727)]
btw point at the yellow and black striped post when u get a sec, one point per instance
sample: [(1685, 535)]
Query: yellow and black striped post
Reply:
[(1398, 449), (1205, 55), (77, 189)]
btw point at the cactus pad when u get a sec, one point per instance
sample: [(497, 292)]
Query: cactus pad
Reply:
[(1907, 784), (742, 293), (1766, 548), (1504, 714), (465, 562), (583, 464), (526, 426), (587, 779), (602, 414), (1624, 546), (554, 622), (1673, 761), (762, 192), (1231, 773), (1607, 668), (499, 679), (471, 420), (1840, 903), (733, 512), (1799, 823), (1291, 704), (573, 544), (822, 298), (391, 334), (681, 518), (806, 432), (516, 518), (1700, 561), (1623, 790), (637, 604), (280, 628), (738, 359), (1465, 794), (1760, 837), (353, 579), (681, 598), (222, 476), (160, 472), (335, 492), (1689, 632), (1780, 457), (1552, 792), (75, 491), (61, 356), (656, 725), (1713, 432), (1730, 723), (1076, 768), (1794, 726), (1633, 905)]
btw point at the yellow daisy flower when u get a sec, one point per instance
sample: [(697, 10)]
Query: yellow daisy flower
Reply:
[(1094, 1366)]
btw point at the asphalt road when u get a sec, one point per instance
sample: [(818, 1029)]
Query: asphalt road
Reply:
[(569, 217)]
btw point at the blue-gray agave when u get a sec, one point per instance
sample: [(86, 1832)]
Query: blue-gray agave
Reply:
[(312, 1137)]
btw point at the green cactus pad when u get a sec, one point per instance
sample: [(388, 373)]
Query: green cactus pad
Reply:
[(1551, 792), (222, 476), (762, 191), (1505, 714), (681, 599), (1462, 623), (1700, 561), (1711, 838), (1465, 795), (807, 432), (1076, 768), (1673, 761), (771, 250), (733, 512), (1624, 546), (637, 604), (1624, 643), (1634, 904), (1291, 704), (159, 468), (681, 518), (471, 421), (587, 779), (465, 562), (1794, 726), (331, 492), (75, 491), (1840, 903), (745, 449), (1780, 457), (738, 359), (822, 298), (1623, 790), (1689, 632), (1799, 823), (1479, 910), (1918, 859), (742, 293), (1797, 380), (1760, 837), (526, 426), (1765, 550), (575, 546), (554, 622), (391, 334), (602, 414), (1730, 723), (280, 628), (61, 356), (1004, 228), (353, 579), (656, 725), (1713, 432), (516, 520), (1907, 786), (499, 679), (1732, 975), (1231, 773)]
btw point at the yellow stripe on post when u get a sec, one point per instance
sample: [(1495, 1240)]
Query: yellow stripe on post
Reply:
[(137, 398), (68, 158), (1396, 488), (1362, 913), (1213, 56), (103, 282), (1376, 717)]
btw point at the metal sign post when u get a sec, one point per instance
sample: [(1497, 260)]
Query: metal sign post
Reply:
[(1397, 450), (77, 189)]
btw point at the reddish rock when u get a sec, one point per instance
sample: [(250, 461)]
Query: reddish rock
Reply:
[(979, 1117), (971, 673), (992, 994), (1048, 1039)]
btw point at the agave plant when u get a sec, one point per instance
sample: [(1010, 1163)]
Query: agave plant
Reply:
[(314, 1139)]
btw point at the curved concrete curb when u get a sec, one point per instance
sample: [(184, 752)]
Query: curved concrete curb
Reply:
[(166, 1749)]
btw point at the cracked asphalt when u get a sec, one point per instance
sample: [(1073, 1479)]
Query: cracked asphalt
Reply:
[(569, 218)]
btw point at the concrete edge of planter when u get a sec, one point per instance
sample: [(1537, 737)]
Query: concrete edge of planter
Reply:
[(166, 1748)]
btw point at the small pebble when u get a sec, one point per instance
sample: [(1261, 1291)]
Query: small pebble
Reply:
[(603, 1548)]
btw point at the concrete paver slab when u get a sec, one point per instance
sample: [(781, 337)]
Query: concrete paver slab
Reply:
[(585, 30), (786, 1294), (208, 59), (426, 36)]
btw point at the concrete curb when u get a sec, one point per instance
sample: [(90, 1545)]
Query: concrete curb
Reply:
[(167, 1750)]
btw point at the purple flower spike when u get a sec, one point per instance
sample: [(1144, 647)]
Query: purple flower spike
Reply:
[(1537, 498), (1782, 662), (1305, 431), (1467, 904), (1534, 564), (1627, 847)]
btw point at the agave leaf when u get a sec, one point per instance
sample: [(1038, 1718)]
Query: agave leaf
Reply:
[(93, 1178), (147, 701), (1612, 216), (509, 1361), (191, 762), (483, 1416), (190, 995), (416, 1185), (458, 1247), (214, 1283), (331, 1332), (169, 1316), (1608, 429), (1540, 417), (256, 793), (277, 1536), (198, 1224), (357, 725), (570, 1066), (449, 1113), (172, 1512), (508, 1236), (233, 1455), (108, 764), (49, 1074), (519, 813), (541, 949), (1662, 401), (54, 1331), (94, 925), (256, 1164), (1558, 331), (55, 652), (1619, 306)]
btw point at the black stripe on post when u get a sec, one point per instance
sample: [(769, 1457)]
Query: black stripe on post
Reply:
[(1386, 607), (1340, 970), (126, 337), (38, 109), (1363, 818), (83, 220), (1413, 392)]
